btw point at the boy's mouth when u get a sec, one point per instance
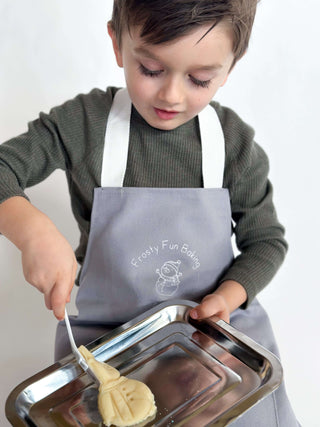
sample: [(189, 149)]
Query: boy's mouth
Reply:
[(165, 114)]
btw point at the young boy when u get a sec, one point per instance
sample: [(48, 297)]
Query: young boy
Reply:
[(157, 173)]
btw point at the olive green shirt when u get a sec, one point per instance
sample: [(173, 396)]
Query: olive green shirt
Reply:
[(71, 138)]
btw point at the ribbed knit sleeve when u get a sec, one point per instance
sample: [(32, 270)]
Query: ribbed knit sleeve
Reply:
[(62, 139), (30, 157), (259, 235), (70, 137)]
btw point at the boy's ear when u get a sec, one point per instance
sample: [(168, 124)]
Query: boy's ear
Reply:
[(115, 45), (225, 80), (232, 67)]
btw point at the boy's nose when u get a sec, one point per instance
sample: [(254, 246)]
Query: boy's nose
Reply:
[(171, 92)]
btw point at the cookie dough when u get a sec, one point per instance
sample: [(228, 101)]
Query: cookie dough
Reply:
[(122, 401)]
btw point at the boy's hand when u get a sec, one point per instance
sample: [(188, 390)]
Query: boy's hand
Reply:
[(50, 265), (48, 260), (229, 296)]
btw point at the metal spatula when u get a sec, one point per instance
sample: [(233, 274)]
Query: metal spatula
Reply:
[(79, 358)]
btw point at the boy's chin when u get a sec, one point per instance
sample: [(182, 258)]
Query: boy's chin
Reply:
[(165, 124)]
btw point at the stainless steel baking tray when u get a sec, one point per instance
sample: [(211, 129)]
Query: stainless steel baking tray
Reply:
[(202, 373)]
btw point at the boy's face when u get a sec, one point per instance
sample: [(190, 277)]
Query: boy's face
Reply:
[(171, 83)]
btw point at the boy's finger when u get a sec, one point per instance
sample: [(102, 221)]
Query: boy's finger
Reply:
[(59, 297), (47, 300), (207, 308)]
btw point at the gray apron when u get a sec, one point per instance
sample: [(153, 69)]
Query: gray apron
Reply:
[(147, 245)]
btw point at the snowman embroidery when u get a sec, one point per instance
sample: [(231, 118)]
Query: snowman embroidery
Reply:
[(168, 281)]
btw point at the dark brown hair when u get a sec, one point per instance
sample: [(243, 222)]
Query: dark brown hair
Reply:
[(162, 21)]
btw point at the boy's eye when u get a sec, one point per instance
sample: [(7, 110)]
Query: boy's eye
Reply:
[(200, 83), (150, 73), (155, 73)]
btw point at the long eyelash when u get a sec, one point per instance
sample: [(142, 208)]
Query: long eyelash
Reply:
[(200, 83), (149, 73)]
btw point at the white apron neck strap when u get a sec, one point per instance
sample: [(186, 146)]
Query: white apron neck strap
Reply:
[(213, 148), (116, 145)]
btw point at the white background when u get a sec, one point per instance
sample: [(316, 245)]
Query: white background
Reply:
[(52, 50)]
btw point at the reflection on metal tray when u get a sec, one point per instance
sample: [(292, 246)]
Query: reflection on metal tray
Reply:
[(202, 373)]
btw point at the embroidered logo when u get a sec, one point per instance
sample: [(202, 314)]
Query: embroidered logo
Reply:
[(169, 278)]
